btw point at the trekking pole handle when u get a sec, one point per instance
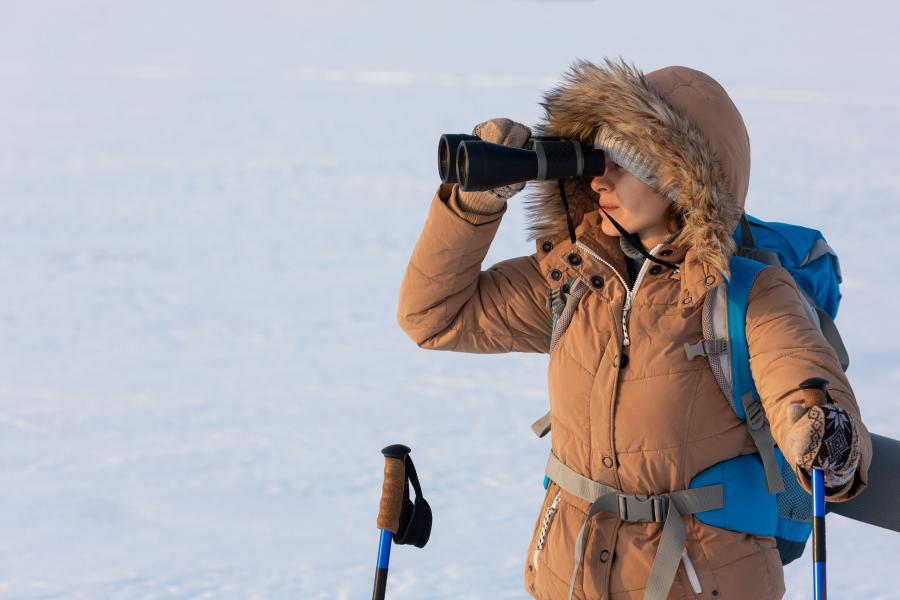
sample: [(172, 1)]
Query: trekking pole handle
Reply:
[(393, 486), (392, 490), (815, 392)]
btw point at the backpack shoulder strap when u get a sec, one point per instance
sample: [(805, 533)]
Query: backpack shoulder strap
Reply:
[(744, 397), (561, 302)]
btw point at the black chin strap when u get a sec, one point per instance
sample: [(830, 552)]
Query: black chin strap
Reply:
[(631, 237)]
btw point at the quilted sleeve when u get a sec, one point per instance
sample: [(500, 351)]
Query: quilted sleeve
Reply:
[(785, 349), (448, 303)]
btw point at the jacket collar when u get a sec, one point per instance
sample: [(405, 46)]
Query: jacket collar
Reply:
[(697, 277)]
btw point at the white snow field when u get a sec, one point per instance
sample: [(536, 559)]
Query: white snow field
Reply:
[(205, 212)]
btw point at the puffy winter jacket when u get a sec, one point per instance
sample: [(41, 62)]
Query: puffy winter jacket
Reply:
[(640, 417)]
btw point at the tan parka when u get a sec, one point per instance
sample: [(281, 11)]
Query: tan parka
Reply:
[(639, 417)]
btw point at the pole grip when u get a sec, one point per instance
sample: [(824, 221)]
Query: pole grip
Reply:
[(393, 487), (815, 392)]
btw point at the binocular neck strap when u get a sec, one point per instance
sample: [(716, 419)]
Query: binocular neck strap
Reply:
[(634, 239), (565, 201)]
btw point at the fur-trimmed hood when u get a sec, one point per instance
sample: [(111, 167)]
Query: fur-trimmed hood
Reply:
[(676, 129)]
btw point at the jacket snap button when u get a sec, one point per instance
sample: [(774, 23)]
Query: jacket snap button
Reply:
[(666, 252), (556, 274), (604, 555), (709, 279), (547, 246), (597, 281), (656, 270), (686, 300), (623, 362), (574, 260), (607, 461)]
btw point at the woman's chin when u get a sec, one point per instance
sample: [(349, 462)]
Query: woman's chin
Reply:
[(607, 228)]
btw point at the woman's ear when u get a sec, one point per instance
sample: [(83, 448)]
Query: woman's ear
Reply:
[(674, 219)]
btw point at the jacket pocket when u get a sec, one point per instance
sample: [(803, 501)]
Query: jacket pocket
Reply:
[(736, 565)]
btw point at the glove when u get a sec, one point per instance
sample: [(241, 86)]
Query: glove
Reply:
[(824, 437), (496, 131)]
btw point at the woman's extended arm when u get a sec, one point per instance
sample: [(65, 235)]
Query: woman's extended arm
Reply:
[(786, 349)]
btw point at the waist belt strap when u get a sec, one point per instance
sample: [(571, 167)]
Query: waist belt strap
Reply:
[(664, 508)]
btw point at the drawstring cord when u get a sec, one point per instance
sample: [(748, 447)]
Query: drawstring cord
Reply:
[(565, 201)]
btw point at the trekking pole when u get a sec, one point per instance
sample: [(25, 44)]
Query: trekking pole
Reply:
[(818, 489), (389, 511), (815, 394)]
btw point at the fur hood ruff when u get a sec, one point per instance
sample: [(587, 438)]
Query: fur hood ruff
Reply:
[(675, 129)]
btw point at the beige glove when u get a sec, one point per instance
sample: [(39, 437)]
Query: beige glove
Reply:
[(497, 131)]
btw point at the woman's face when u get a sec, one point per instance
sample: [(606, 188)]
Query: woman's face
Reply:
[(631, 202)]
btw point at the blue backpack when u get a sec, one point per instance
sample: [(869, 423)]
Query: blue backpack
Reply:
[(761, 493)]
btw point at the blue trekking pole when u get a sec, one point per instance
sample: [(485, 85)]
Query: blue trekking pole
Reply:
[(818, 532), (400, 520), (815, 394), (389, 511)]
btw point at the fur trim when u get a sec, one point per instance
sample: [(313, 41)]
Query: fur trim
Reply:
[(616, 108)]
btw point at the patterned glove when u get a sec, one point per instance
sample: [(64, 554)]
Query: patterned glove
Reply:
[(824, 437), (496, 131)]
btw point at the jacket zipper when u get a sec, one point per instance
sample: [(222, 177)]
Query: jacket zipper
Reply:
[(691, 572), (629, 292), (545, 525)]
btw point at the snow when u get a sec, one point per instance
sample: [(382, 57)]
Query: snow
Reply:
[(205, 212)]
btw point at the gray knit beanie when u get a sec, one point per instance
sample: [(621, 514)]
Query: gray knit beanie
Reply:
[(627, 156)]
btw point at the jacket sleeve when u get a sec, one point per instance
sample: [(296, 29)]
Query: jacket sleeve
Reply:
[(785, 349), (448, 303)]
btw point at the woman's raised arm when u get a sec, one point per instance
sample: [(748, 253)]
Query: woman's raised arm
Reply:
[(448, 303)]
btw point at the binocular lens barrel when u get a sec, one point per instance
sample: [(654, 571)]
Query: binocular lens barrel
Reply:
[(447, 147), (483, 165)]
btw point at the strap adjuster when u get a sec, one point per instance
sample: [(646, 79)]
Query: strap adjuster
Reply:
[(705, 348), (643, 509), (755, 415)]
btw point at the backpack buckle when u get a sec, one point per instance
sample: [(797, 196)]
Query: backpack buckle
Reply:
[(643, 509), (705, 348)]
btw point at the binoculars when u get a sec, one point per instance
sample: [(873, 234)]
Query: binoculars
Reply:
[(478, 165)]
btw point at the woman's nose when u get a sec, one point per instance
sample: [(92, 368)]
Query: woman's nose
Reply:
[(601, 183)]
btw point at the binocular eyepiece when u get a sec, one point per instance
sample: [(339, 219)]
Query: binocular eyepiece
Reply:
[(478, 165)]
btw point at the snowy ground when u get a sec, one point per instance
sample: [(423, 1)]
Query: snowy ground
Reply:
[(205, 212)]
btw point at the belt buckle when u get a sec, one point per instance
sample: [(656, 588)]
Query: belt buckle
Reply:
[(638, 508)]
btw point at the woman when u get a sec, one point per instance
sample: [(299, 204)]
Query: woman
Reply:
[(630, 411)]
